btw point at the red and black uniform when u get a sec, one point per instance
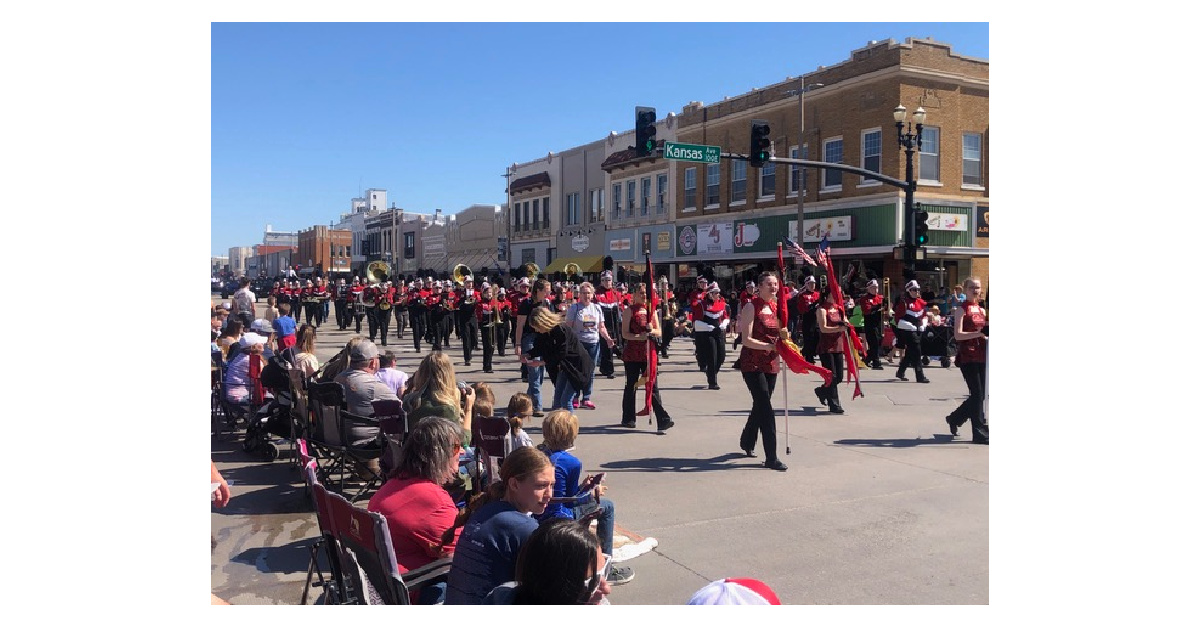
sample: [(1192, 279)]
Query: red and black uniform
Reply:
[(371, 298), (418, 315), (439, 318), (635, 357), (609, 301), (910, 322), (707, 315), (466, 322), (340, 315), (357, 306), (872, 309), (668, 321), (760, 369), (831, 346), (312, 305), (487, 315), (808, 302), (385, 302), (450, 304), (401, 310), (971, 361)]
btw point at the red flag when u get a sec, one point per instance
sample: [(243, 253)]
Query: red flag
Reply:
[(784, 293), (851, 336), (651, 348)]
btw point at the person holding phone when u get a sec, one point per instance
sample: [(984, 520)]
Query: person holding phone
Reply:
[(562, 563), (572, 499)]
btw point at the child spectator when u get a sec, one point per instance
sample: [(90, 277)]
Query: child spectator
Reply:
[(389, 374), (520, 409), (285, 327), (271, 312)]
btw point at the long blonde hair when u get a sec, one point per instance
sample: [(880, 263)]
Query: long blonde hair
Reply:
[(435, 375), (544, 319)]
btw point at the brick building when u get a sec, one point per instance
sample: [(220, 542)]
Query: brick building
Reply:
[(730, 216), (323, 251)]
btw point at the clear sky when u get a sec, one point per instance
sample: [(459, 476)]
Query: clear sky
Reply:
[(305, 116)]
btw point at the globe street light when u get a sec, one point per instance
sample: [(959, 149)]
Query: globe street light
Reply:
[(910, 142)]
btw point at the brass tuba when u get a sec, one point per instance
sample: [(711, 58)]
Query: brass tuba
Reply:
[(378, 271), (462, 272), (532, 270), (571, 269)]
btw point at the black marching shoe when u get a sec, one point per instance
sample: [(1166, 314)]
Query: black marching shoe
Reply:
[(821, 395), (775, 464), (628, 424), (662, 427), (749, 452), (714, 387), (900, 375), (876, 367), (921, 379), (953, 425), (835, 407)]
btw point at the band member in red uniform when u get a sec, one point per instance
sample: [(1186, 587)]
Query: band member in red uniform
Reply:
[(465, 311), (357, 304), (506, 315), (340, 294), (450, 302), (831, 346), (758, 323), (667, 311), (487, 318), (709, 322), (418, 314), (810, 302), (401, 309), (385, 302), (872, 308), (322, 292), (609, 301), (439, 315), (971, 332), (639, 325), (311, 303), (371, 298), (910, 322), (744, 297)]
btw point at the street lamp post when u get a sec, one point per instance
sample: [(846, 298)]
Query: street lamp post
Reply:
[(910, 142)]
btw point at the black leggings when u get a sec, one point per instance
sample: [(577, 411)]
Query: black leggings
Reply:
[(975, 374), (910, 341), (762, 415), (633, 371), (710, 347)]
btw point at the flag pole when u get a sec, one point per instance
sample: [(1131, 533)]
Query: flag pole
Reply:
[(783, 369)]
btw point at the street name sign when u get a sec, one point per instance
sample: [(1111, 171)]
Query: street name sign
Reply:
[(692, 152)]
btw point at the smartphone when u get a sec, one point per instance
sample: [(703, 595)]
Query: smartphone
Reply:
[(595, 514), (595, 481)]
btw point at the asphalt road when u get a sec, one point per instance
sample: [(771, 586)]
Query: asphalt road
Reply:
[(880, 505)]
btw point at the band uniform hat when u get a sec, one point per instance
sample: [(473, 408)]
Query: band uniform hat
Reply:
[(810, 279), (714, 287), (735, 591), (606, 274), (912, 284), (873, 283), (363, 351)]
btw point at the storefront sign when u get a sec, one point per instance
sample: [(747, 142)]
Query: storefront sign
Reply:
[(620, 244), (835, 228), (981, 221), (664, 240), (946, 222), (687, 240), (580, 243), (714, 238)]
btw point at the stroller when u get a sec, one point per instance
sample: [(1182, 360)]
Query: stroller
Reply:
[(938, 341), (274, 414)]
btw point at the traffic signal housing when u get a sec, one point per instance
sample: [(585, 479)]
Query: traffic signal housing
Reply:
[(760, 143), (646, 131), (920, 226)]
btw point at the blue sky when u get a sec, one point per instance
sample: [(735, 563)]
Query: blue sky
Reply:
[(305, 116)]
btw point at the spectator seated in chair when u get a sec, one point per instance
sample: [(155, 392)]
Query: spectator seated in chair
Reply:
[(361, 387), (237, 374), (418, 510), (560, 564), (390, 375)]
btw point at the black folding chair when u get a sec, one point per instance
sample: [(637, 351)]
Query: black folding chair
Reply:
[(358, 454), (492, 439), (326, 402), (334, 586), (393, 428)]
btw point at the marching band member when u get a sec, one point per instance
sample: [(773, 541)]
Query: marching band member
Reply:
[(667, 298), (467, 322), (418, 312), (357, 303), (401, 309), (487, 319), (516, 299), (711, 320), (450, 302), (339, 304), (831, 346), (322, 292), (639, 324), (809, 302), (872, 309), (609, 301), (971, 332), (506, 316), (384, 304), (758, 323), (371, 298), (910, 322), (439, 311), (311, 304), (696, 306)]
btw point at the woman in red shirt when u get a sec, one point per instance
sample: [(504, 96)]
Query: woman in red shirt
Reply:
[(758, 323), (418, 510), (638, 325), (831, 347), (970, 330)]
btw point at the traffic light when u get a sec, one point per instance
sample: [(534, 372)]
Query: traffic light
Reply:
[(760, 143), (920, 226), (646, 131)]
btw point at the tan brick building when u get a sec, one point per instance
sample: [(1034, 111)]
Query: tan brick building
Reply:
[(733, 220)]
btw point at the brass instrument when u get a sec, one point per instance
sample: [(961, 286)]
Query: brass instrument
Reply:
[(571, 269), (531, 270), (386, 304), (461, 273), (378, 271)]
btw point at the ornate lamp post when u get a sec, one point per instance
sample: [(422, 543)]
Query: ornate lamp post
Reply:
[(910, 142)]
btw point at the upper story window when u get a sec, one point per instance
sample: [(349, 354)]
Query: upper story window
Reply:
[(766, 181), (872, 151), (929, 169), (832, 179), (546, 212), (972, 167), (689, 188), (737, 182), (572, 208), (630, 196), (616, 206), (595, 204), (712, 185), (645, 195), (660, 206)]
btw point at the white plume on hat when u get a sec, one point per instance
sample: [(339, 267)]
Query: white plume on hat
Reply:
[(912, 284)]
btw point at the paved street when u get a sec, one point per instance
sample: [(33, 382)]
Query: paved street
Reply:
[(879, 506)]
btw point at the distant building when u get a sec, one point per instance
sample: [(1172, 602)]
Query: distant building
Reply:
[(238, 256), (323, 251)]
